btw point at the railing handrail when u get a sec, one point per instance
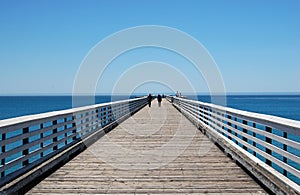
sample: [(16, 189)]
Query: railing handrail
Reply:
[(284, 124), (34, 117)]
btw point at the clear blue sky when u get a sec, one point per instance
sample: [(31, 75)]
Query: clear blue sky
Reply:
[(255, 43)]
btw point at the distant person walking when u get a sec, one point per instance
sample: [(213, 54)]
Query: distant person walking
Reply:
[(159, 100), (149, 99)]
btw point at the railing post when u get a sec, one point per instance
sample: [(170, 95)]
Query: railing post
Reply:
[(209, 123), (66, 134), (221, 122), (97, 118), (285, 149), (74, 125), (107, 114), (104, 116), (229, 130), (54, 131), (198, 112), (24, 142), (87, 122), (268, 140), (254, 135), (3, 151), (244, 138), (235, 127), (205, 115), (111, 114), (42, 136)]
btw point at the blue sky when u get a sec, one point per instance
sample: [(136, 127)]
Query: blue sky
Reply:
[(256, 44)]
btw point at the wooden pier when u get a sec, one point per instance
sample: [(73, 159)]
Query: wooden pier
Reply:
[(157, 150), (125, 147)]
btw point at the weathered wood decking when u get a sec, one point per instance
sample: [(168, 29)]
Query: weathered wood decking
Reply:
[(155, 151)]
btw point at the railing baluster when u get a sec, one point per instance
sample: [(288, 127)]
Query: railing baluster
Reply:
[(86, 120), (54, 131), (285, 149), (221, 122), (254, 135), (245, 131), (66, 134), (97, 118), (41, 137), (3, 148), (24, 142), (268, 140), (235, 127), (205, 114), (74, 131), (229, 130)]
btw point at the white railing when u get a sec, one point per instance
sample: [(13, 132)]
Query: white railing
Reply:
[(28, 141), (273, 140)]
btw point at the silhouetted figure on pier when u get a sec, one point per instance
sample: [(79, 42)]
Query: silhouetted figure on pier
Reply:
[(159, 100), (149, 98)]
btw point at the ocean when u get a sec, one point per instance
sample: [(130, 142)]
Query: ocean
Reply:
[(287, 106), (15, 106)]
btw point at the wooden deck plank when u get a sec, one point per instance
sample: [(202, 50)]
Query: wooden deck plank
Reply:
[(156, 151)]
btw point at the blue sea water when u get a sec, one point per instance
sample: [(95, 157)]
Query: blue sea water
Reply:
[(15, 106), (287, 106)]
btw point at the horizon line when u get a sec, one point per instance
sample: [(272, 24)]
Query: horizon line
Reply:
[(146, 93)]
